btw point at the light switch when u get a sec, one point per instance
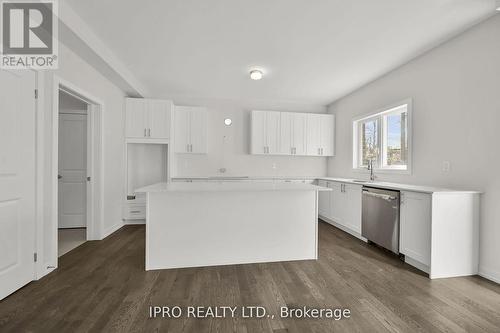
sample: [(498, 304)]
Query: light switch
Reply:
[(446, 166)]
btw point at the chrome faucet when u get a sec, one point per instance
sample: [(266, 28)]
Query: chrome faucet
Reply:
[(370, 167)]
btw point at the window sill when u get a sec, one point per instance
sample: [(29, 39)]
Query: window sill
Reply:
[(383, 171)]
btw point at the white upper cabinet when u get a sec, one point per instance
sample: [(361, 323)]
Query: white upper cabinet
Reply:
[(160, 119), (148, 118), (327, 130), (320, 134), (136, 118), (290, 133), (265, 132), (293, 133), (190, 130)]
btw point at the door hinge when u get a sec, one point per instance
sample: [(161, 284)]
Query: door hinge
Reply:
[(35, 257), (36, 93)]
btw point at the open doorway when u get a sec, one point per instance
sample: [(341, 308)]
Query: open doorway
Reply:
[(76, 169), (72, 172)]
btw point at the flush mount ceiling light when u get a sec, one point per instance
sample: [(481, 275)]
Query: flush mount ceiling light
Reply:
[(256, 74), (228, 121)]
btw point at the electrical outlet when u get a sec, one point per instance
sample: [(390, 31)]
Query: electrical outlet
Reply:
[(446, 166)]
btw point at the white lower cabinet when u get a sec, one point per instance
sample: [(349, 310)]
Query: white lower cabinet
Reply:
[(415, 226), (439, 231), (133, 211), (324, 199), (352, 207), (342, 205)]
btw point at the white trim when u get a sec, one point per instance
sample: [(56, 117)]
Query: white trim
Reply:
[(40, 265), (417, 264), (375, 114), (94, 220), (489, 274), (112, 229), (343, 228)]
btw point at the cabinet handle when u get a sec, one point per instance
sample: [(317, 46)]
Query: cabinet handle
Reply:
[(319, 151), (191, 148), (144, 132), (135, 211), (187, 148), (149, 132)]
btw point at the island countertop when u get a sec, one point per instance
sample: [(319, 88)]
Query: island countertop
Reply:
[(229, 187)]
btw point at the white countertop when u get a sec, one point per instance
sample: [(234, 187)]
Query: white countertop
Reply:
[(380, 184), (229, 186), (241, 178), (397, 186)]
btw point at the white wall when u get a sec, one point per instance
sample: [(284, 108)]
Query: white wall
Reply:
[(456, 94), (78, 72), (233, 151)]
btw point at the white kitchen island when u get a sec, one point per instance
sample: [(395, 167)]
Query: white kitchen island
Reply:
[(222, 223)]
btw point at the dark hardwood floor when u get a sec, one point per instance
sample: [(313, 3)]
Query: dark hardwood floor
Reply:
[(102, 287)]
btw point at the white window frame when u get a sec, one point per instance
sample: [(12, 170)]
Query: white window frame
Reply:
[(382, 137)]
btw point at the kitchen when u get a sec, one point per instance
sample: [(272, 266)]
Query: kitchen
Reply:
[(243, 175)]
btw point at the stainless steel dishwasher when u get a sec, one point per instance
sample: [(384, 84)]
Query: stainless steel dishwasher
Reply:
[(380, 217)]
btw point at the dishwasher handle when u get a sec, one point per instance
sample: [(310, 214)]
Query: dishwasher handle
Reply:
[(385, 197)]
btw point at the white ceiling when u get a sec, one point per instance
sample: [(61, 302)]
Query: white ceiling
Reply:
[(311, 51)]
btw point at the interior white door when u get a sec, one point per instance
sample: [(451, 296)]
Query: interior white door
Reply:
[(72, 170), (136, 118), (17, 180), (159, 119), (181, 129), (198, 130)]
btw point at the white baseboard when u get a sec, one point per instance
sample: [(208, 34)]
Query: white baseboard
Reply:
[(343, 228), (417, 264), (132, 222), (489, 274), (111, 229)]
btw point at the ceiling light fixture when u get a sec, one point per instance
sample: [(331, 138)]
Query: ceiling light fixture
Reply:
[(498, 5), (256, 74)]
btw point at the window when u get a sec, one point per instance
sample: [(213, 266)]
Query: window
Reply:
[(384, 139)]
